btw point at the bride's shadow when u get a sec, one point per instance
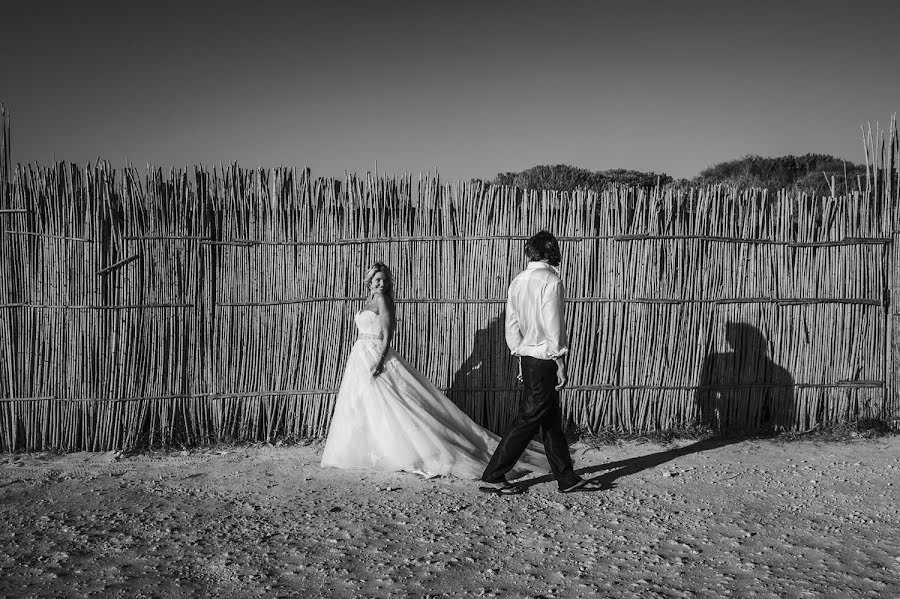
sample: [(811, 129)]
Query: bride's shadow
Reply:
[(743, 389)]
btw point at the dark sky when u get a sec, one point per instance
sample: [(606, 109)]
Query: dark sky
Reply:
[(469, 89)]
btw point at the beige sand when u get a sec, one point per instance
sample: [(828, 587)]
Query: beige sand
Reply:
[(757, 518)]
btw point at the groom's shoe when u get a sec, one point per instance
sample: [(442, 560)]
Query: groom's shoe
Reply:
[(502, 487), (583, 484)]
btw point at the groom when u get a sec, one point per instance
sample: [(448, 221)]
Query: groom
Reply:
[(536, 333)]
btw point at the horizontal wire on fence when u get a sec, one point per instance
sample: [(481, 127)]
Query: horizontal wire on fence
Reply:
[(14, 210), (368, 240), (63, 237), (210, 396), (397, 239), (620, 238), (11, 399), (303, 300), (310, 300), (839, 384), (166, 238), (584, 300), (96, 307), (847, 241), (454, 391), (796, 301), (839, 242)]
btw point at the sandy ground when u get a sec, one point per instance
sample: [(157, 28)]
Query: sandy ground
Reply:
[(756, 518)]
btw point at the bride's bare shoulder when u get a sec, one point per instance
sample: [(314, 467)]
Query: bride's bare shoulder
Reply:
[(382, 302)]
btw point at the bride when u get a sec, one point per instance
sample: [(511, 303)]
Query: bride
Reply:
[(389, 417)]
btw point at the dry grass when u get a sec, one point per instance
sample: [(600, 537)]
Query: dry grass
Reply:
[(869, 428), (866, 428)]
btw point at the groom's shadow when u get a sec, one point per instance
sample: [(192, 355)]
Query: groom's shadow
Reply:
[(485, 385), (616, 470), (742, 394)]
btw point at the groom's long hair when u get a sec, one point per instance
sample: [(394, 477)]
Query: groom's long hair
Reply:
[(380, 267), (543, 246)]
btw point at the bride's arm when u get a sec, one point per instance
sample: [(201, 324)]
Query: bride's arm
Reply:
[(388, 322)]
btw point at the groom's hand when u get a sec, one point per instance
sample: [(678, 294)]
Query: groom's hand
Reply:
[(562, 377)]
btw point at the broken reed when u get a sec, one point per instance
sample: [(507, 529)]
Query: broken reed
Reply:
[(196, 307), (4, 157)]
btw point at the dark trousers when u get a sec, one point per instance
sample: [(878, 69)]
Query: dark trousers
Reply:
[(539, 409)]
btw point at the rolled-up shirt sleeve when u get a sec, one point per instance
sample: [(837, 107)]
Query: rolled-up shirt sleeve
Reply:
[(513, 331), (554, 320)]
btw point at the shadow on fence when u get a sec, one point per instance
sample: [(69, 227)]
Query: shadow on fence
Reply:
[(485, 385), (743, 388)]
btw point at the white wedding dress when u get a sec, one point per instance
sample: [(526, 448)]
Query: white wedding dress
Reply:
[(400, 421)]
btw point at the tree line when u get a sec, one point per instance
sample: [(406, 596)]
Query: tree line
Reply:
[(814, 174)]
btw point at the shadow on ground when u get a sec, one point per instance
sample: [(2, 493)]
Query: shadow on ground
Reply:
[(612, 471)]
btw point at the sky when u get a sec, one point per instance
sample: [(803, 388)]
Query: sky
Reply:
[(465, 89)]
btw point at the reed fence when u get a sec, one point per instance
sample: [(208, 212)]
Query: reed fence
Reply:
[(194, 306)]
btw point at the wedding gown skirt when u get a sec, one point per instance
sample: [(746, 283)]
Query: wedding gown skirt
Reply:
[(400, 421)]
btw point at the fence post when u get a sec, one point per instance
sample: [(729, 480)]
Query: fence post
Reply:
[(890, 303)]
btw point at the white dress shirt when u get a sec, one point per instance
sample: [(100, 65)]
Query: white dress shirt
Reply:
[(535, 322)]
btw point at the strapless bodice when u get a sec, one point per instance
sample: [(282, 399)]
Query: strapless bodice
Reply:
[(367, 325)]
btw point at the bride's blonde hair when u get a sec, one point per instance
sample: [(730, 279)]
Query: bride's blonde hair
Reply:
[(380, 267)]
